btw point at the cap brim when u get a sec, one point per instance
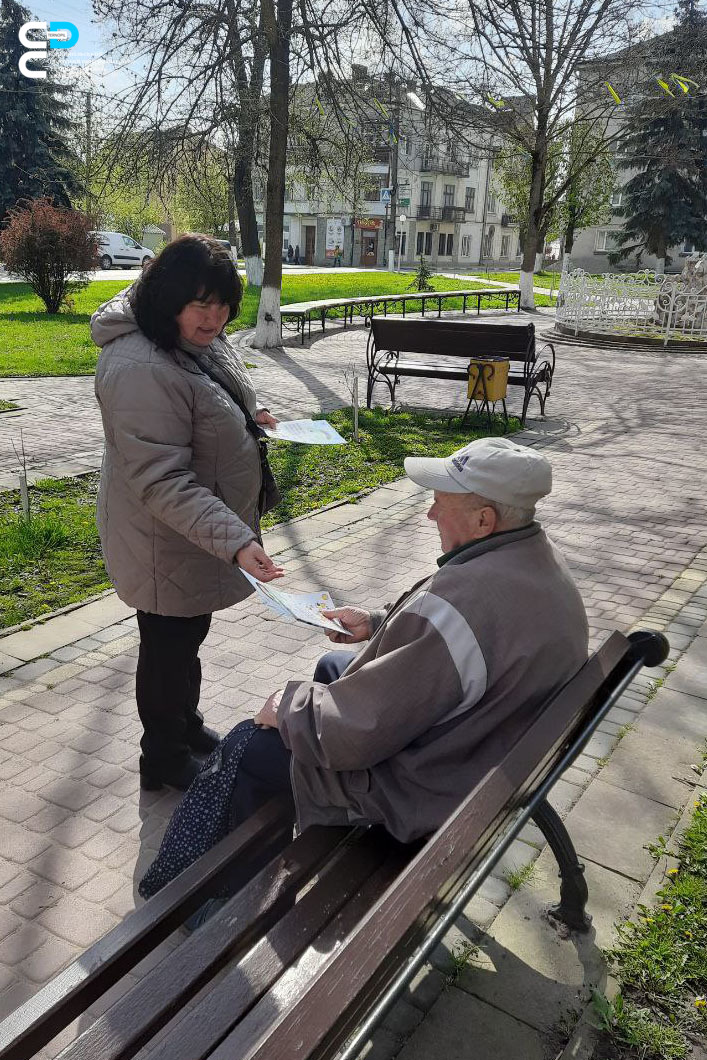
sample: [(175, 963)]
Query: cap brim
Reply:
[(430, 472)]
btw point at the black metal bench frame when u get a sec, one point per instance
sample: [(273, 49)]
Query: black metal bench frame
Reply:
[(390, 340), (366, 305), (310, 954)]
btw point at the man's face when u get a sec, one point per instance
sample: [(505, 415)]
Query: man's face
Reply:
[(460, 519)]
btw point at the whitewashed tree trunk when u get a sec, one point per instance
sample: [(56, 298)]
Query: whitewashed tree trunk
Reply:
[(268, 329), (538, 262), (254, 270), (527, 298), (660, 267)]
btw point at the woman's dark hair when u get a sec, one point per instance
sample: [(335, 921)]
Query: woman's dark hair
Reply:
[(190, 268)]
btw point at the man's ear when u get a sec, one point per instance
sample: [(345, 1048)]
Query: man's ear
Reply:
[(488, 519)]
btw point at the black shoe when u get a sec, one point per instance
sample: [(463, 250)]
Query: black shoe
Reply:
[(152, 777), (203, 740)]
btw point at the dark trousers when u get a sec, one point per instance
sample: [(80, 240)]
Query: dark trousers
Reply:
[(264, 771), (167, 684)]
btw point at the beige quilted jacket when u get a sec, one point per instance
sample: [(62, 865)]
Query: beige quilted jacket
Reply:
[(181, 474)]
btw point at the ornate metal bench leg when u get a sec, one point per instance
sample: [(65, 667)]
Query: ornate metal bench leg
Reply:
[(573, 888)]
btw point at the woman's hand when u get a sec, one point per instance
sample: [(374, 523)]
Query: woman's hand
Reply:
[(265, 419), (355, 619), (254, 559)]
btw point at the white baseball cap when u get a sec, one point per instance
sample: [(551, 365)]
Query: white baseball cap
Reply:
[(495, 468)]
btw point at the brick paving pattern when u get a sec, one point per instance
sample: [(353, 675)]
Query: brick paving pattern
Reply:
[(625, 438)]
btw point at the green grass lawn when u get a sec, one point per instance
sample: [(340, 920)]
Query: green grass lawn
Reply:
[(7, 406), (55, 559), (542, 279), (660, 961), (32, 343)]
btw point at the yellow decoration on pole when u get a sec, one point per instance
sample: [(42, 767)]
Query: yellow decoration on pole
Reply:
[(616, 96)]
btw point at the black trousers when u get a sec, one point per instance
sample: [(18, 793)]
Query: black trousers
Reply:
[(167, 684), (264, 771)]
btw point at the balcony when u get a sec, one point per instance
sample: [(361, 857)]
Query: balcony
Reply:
[(433, 164), (508, 219), (440, 213)]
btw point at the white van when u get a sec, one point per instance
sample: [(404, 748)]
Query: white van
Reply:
[(115, 248)]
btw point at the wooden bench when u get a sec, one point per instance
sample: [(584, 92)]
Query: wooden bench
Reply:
[(318, 945), (390, 341), (367, 305)]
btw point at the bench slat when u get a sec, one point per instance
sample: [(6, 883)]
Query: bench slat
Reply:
[(153, 1000), (200, 1030), (87, 978), (319, 1016)]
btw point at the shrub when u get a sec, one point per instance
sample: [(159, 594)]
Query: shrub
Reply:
[(422, 278), (45, 244)]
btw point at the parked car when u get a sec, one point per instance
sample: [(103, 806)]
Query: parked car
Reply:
[(115, 248)]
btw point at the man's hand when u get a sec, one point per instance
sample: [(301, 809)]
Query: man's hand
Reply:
[(254, 559), (267, 716), (265, 419), (354, 619)]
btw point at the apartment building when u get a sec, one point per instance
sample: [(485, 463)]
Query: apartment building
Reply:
[(630, 71), (448, 208)]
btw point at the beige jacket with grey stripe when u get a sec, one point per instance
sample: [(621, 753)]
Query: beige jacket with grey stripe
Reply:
[(453, 675)]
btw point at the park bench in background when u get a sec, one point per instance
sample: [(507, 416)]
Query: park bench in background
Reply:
[(392, 341), (368, 305), (311, 953)]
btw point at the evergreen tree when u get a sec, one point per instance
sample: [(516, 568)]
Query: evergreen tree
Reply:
[(35, 159), (665, 145), (421, 281)]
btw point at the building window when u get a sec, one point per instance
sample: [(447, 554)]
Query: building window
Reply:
[(603, 240), (442, 244), (470, 200), (450, 244), (428, 243), (466, 246), (688, 248), (448, 199), (403, 244), (420, 243), (426, 193), (616, 198), (493, 205), (505, 246), (488, 244), (373, 188), (403, 145)]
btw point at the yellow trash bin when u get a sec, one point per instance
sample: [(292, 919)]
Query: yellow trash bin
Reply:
[(488, 379)]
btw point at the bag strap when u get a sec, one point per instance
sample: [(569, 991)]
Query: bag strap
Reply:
[(253, 428)]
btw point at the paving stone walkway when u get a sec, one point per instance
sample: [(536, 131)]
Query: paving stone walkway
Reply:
[(76, 833)]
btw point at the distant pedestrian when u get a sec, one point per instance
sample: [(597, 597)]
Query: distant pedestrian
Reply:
[(297, 254), (337, 256), (290, 253)]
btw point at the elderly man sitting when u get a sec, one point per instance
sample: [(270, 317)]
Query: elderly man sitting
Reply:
[(451, 673)]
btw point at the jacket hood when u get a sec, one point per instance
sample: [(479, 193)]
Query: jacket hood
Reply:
[(113, 319)]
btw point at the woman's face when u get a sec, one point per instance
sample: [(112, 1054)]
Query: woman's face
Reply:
[(202, 320)]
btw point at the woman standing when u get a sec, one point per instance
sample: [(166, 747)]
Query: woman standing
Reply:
[(182, 486)]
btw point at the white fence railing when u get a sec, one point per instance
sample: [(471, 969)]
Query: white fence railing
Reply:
[(637, 304)]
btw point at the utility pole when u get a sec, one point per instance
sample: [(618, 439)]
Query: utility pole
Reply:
[(394, 133)]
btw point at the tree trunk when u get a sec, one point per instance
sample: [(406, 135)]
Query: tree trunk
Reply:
[(268, 331), (232, 236), (539, 258), (243, 196), (249, 95), (533, 245), (660, 266)]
